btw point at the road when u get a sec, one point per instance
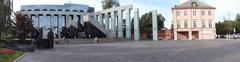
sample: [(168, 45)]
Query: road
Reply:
[(143, 51)]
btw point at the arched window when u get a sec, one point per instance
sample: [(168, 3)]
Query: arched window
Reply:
[(74, 10), (44, 9), (52, 10), (194, 4), (29, 10), (22, 10), (81, 11), (59, 9), (36, 9), (67, 10)]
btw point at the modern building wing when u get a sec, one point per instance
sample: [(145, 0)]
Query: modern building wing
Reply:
[(65, 7), (83, 20)]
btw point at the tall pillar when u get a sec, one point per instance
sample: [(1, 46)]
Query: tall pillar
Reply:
[(67, 20), (120, 24), (175, 35), (45, 20), (75, 20), (136, 25), (128, 24), (106, 21), (59, 25), (37, 18), (190, 35), (113, 28), (52, 21), (154, 25), (100, 19), (81, 20), (95, 17)]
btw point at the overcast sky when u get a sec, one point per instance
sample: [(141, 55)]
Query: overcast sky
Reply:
[(225, 8)]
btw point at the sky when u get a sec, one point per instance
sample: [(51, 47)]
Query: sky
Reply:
[(225, 8)]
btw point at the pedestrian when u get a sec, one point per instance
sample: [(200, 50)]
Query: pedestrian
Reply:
[(96, 40), (50, 38)]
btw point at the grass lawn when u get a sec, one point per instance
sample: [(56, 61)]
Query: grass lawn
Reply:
[(10, 58)]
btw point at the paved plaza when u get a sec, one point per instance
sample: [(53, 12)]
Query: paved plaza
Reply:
[(142, 51)]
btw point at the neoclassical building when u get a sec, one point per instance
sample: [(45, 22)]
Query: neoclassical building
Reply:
[(113, 22), (193, 20)]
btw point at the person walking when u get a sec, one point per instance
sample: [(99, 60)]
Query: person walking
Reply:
[(50, 38), (96, 40)]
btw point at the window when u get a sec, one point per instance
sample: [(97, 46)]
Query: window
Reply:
[(29, 10), (185, 13), (52, 10), (194, 24), (44, 10), (81, 11), (210, 23), (203, 24), (185, 24), (194, 13), (74, 10), (203, 13), (22, 10), (36, 9), (178, 13), (59, 9), (67, 10), (209, 13), (178, 24)]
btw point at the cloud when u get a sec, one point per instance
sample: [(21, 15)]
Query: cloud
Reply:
[(182, 1), (225, 8)]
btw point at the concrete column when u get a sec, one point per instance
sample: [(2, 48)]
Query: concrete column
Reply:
[(101, 19), (59, 25), (154, 25), (190, 35), (106, 21), (120, 24), (175, 35), (67, 20), (128, 24), (95, 17), (136, 25), (81, 19), (113, 24), (75, 18), (38, 23), (45, 19), (52, 21)]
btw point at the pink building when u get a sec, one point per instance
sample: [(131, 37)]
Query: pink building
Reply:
[(193, 20)]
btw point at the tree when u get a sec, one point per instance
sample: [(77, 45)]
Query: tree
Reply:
[(106, 4), (237, 22), (146, 22), (23, 25), (5, 18)]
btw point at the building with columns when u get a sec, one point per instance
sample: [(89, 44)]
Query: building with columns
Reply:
[(114, 22), (57, 17), (193, 20)]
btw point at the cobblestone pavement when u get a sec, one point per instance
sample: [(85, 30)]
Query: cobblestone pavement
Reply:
[(143, 51)]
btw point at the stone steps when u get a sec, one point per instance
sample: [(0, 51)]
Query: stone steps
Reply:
[(88, 41)]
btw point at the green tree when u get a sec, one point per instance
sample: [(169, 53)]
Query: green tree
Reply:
[(23, 25), (237, 22), (5, 15), (146, 22), (106, 4)]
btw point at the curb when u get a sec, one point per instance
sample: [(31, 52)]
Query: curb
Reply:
[(16, 60)]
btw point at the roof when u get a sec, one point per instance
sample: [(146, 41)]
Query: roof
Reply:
[(193, 4)]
